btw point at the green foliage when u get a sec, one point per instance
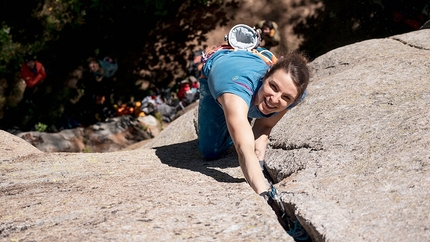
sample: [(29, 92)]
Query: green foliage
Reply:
[(40, 127), (159, 118), (9, 52), (87, 150), (64, 33)]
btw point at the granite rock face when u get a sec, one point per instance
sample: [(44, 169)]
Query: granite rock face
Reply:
[(354, 159), (352, 162), (162, 194), (167, 193)]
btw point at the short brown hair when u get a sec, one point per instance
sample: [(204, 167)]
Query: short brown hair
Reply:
[(295, 64)]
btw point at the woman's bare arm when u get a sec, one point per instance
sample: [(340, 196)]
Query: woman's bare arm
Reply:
[(236, 114)]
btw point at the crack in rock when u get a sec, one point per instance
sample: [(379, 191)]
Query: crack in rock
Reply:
[(292, 146), (411, 45), (284, 159), (342, 64)]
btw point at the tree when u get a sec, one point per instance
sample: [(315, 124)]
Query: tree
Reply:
[(151, 40)]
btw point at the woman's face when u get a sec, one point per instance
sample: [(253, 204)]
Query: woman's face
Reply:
[(276, 94)]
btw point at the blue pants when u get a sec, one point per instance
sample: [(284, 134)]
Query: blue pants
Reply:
[(214, 138)]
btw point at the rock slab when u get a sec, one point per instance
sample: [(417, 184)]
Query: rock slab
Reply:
[(163, 194), (353, 160)]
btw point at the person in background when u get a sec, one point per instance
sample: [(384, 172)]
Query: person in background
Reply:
[(32, 72), (269, 33), (184, 87), (98, 91), (105, 68), (32, 109), (195, 64)]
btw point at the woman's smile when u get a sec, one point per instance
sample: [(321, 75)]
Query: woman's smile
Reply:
[(268, 105), (276, 94)]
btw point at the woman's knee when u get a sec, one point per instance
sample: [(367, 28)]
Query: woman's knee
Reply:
[(210, 151)]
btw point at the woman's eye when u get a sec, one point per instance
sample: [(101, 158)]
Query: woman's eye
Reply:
[(273, 87)]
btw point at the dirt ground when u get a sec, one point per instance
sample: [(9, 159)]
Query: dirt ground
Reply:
[(285, 13)]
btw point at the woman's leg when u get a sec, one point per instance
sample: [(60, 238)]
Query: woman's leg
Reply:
[(214, 138)]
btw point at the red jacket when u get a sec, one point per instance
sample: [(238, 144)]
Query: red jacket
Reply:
[(31, 78)]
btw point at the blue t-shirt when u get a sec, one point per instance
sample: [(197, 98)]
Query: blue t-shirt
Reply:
[(239, 72)]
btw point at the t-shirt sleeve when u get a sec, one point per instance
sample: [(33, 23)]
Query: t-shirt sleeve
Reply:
[(238, 73)]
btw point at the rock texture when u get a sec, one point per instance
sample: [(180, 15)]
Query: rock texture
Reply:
[(354, 160), (163, 194), (352, 163)]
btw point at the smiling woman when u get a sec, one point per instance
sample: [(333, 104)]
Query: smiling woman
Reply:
[(238, 85)]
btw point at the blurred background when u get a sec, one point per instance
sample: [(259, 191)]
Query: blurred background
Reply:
[(152, 45)]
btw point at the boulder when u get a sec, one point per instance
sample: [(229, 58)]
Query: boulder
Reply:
[(113, 135), (12, 146), (68, 140)]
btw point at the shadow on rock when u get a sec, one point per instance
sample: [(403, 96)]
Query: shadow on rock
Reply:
[(186, 156)]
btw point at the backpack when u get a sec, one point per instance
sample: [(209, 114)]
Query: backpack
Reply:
[(243, 37)]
